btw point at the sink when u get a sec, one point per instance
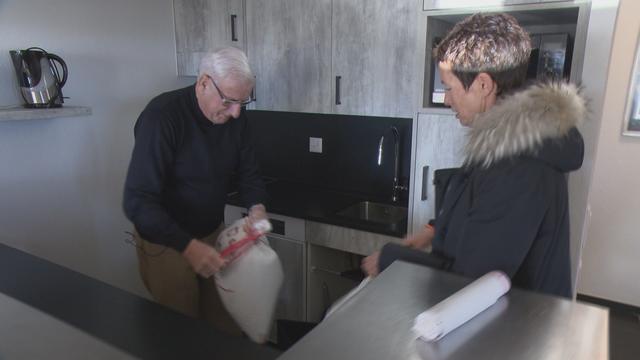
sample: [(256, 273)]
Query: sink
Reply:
[(375, 212)]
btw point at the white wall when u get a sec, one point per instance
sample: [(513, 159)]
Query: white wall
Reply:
[(601, 24), (611, 267), (61, 179)]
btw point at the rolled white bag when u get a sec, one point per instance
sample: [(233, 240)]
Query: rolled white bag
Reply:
[(249, 285), (343, 300), (462, 306)]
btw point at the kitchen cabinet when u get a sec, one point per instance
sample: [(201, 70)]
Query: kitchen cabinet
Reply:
[(334, 255), (321, 262), (291, 303), (346, 239), (331, 273), (289, 49), (348, 57), (374, 57), (205, 25), (440, 140)]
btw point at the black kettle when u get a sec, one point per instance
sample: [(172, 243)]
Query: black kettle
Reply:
[(39, 77)]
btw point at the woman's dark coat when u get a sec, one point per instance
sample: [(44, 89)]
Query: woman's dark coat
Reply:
[(507, 208)]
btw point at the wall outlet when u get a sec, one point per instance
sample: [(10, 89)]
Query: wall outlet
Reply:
[(315, 145)]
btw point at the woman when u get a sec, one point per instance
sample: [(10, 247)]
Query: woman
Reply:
[(507, 207)]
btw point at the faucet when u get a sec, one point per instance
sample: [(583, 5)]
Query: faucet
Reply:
[(396, 159)]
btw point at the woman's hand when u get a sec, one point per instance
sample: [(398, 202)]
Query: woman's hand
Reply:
[(420, 240), (370, 264)]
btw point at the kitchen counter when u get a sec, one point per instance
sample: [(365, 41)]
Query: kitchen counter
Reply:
[(376, 324), (108, 322), (48, 338), (320, 205)]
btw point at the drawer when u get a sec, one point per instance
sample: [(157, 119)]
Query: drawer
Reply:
[(284, 226)]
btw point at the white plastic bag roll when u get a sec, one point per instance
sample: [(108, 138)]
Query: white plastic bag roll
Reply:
[(249, 285), (462, 306), (343, 300)]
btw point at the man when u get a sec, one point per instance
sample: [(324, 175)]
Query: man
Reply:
[(188, 145), (507, 207)]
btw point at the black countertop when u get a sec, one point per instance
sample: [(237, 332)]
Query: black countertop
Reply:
[(128, 322), (320, 205)]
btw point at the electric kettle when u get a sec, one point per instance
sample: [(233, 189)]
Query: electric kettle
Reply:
[(38, 77)]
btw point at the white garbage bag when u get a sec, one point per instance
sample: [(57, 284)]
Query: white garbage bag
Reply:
[(249, 285), (343, 300)]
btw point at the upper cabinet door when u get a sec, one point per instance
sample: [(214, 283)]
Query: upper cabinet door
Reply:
[(289, 48), (374, 57), (203, 26)]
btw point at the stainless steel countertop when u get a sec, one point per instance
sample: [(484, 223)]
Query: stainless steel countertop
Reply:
[(376, 324)]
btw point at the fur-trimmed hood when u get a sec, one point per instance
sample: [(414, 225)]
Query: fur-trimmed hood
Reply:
[(529, 122)]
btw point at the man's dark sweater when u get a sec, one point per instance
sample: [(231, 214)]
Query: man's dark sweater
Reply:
[(182, 167)]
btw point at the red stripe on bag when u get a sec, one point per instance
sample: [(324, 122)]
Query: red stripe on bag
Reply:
[(238, 247)]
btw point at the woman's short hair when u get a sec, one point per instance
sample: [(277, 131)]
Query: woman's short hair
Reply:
[(491, 43), (228, 62)]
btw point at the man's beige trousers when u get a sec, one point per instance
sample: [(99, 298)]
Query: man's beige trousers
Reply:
[(173, 283)]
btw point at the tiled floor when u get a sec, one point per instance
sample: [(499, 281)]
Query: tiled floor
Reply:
[(624, 335)]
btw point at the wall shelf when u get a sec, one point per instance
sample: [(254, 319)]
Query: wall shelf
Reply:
[(21, 113)]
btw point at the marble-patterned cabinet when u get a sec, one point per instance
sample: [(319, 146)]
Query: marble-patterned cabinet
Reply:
[(204, 25), (374, 57), (439, 145), (328, 56), (289, 48)]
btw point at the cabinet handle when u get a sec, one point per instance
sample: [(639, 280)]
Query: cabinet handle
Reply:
[(326, 299), (425, 176), (321, 269), (253, 91), (338, 90), (233, 28)]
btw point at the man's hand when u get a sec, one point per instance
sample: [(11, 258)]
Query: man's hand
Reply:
[(370, 264), (420, 240), (256, 212), (203, 258)]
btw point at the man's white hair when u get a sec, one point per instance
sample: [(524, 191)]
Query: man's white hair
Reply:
[(228, 62)]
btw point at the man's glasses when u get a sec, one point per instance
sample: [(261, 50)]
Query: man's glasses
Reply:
[(226, 102)]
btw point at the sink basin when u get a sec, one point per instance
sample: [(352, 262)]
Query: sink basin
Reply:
[(375, 212)]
